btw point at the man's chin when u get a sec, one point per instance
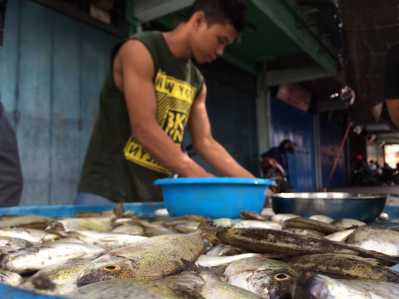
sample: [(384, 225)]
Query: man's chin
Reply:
[(202, 60)]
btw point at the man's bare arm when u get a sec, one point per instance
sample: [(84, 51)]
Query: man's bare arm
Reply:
[(137, 73), (204, 143)]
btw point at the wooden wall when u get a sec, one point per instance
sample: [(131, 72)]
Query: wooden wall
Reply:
[(51, 71)]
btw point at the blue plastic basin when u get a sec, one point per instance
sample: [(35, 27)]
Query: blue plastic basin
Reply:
[(213, 197)]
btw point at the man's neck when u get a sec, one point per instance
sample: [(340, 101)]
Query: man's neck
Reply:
[(178, 42)]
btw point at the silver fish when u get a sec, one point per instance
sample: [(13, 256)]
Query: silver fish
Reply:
[(12, 244), (223, 250), (224, 222), (268, 278), (28, 234), (106, 240), (123, 288), (214, 288), (100, 224), (31, 221), (324, 287), (56, 253), (205, 285), (149, 259), (131, 229), (347, 223), (304, 232), (322, 218), (340, 236), (58, 279), (258, 224), (381, 240), (281, 218), (10, 278), (267, 212), (214, 261)]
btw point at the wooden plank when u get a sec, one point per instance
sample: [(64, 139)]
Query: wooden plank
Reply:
[(95, 53), (9, 59), (34, 102), (65, 134)]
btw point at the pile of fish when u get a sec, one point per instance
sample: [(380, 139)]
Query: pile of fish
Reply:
[(116, 254)]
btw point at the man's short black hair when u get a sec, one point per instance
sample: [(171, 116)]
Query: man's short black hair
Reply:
[(234, 11)]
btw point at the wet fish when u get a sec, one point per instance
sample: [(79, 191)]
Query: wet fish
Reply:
[(123, 288), (195, 218), (303, 223), (10, 278), (346, 266), (224, 222), (207, 261), (149, 259), (12, 244), (304, 232), (214, 288), (322, 218), (205, 285), (223, 250), (131, 229), (281, 218), (381, 240), (29, 221), (183, 226), (100, 224), (153, 229), (267, 212), (340, 236), (347, 223), (252, 216), (106, 240), (28, 234), (58, 279), (268, 278), (257, 224), (161, 212), (56, 253), (271, 241), (324, 287)]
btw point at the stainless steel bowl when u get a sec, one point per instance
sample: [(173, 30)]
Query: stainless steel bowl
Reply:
[(364, 207)]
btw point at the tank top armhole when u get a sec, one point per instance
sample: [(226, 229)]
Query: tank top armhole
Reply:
[(201, 81), (150, 49)]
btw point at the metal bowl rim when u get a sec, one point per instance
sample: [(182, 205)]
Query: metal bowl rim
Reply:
[(329, 196)]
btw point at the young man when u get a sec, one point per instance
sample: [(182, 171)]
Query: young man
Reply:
[(152, 93)]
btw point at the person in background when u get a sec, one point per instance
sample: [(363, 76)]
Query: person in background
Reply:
[(11, 181), (274, 165), (152, 93)]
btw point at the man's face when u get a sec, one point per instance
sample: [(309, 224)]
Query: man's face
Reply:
[(210, 41)]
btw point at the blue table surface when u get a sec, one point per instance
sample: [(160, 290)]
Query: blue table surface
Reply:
[(141, 209)]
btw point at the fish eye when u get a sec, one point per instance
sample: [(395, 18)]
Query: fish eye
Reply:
[(281, 277), (112, 268)]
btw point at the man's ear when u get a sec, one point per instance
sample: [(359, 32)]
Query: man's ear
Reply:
[(198, 19)]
